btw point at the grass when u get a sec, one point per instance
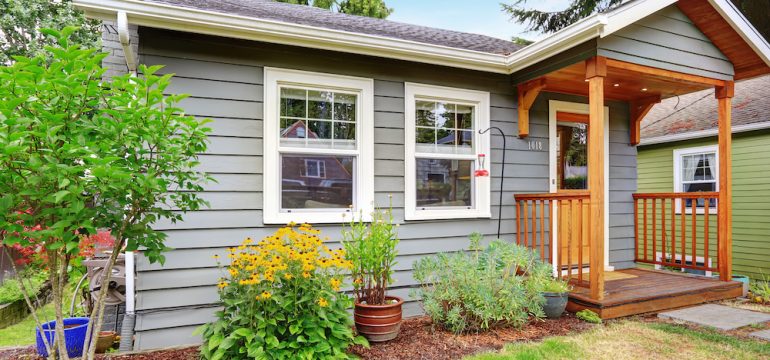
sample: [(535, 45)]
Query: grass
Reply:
[(23, 333), (630, 339)]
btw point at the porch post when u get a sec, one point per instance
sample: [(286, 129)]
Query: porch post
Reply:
[(596, 70), (724, 95)]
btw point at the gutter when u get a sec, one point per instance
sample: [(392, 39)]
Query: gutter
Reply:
[(702, 134)]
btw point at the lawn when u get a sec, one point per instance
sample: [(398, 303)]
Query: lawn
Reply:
[(629, 339), (23, 333)]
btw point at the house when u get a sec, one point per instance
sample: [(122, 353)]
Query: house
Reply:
[(678, 153), (419, 100)]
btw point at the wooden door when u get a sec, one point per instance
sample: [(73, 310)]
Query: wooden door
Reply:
[(572, 176)]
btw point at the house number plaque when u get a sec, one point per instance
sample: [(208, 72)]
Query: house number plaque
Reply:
[(535, 145)]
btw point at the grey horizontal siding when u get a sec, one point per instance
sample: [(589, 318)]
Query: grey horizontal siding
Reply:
[(224, 81), (667, 40)]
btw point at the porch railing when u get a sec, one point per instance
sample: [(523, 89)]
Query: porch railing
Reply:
[(677, 230), (557, 227)]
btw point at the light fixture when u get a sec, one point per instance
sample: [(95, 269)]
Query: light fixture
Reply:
[(615, 85), (644, 89)]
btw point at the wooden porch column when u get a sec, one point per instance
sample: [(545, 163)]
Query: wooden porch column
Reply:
[(596, 71), (724, 95)]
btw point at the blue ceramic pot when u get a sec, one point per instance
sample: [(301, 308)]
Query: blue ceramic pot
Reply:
[(74, 336)]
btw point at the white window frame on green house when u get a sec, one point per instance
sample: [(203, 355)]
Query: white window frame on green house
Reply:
[(274, 148), (480, 193), (679, 154)]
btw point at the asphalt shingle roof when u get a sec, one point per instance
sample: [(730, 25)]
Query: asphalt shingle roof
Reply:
[(698, 111), (307, 15)]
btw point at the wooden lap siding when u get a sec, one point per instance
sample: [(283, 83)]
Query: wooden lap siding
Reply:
[(224, 79), (669, 40), (751, 189)]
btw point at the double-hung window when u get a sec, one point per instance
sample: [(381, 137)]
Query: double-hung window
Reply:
[(696, 170), (318, 147), (443, 147)]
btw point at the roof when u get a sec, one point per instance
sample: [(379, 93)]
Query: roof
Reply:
[(695, 115), (312, 16), (263, 20)]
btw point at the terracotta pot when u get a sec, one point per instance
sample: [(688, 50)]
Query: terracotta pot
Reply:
[(379, 323), (105, 341)]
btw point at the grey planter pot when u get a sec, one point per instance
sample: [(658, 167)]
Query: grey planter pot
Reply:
[(555, 304)]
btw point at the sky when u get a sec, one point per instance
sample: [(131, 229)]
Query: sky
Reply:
[(475, 16)]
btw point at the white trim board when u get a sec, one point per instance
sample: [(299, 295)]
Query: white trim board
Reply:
[(179, 18), (555, 106), (703, 133)]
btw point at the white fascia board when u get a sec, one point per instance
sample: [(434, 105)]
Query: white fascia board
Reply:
[(742, 26), (631, 12), (702, 134), (234, 26)]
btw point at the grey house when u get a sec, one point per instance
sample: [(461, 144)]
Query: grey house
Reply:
[(397, 109)]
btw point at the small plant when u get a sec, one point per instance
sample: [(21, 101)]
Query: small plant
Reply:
[(486, 287), (760, 290), (589, 316), (281, 301), (553, 285), (372, 250), (10, 290)]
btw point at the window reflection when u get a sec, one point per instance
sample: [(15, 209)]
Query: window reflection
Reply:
[(316, 181), (444, 183)]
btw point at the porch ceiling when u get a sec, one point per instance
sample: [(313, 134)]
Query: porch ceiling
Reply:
[(624, 83)]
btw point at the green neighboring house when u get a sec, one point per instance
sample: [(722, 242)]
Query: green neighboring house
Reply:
[(678, 153)]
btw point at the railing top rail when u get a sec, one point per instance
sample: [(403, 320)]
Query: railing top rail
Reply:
[(552, 196), (691, 195)]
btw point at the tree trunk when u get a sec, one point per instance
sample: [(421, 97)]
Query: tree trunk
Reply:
[(97, 313), (57, 288)]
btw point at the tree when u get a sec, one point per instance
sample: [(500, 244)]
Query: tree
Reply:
[(81, 156), (756, 11), (371, 8), (21, 22)]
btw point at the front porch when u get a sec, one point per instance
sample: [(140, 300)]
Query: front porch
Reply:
[(672, 231)]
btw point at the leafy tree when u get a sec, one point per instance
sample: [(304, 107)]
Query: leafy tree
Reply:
[(756, 11), (21, 22), (80, 155), (521, 41), (371, 8)]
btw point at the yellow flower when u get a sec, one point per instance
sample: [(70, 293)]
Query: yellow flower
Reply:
[(215, 257), (335, 283), (358, 281), (265, 295), (322, 302), (287, 276), (305, 274), (222, 284)]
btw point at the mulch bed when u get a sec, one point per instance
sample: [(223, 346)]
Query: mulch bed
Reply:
[(417, 340)]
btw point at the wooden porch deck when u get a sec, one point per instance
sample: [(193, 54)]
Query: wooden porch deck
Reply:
[(638, 291)]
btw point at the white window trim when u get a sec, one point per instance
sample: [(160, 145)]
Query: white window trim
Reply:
[(364, 175), (678, 153), (481, 192), (320, 167)]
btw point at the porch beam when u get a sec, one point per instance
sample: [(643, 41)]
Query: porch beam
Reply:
[(528, 92), (724, 95), (596, 71), (638, 109), (648, 70)]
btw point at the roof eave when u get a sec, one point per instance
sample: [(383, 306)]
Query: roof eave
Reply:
[(663, 139)]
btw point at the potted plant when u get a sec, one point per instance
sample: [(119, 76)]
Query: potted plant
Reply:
[(74, 336), (556, 293), (372, 250)]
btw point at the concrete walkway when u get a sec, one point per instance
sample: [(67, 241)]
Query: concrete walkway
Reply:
[(717, 316)]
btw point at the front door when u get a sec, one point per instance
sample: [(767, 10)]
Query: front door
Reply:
[(572, 175)]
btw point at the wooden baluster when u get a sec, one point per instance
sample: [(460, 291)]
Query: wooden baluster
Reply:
[(559, 237), (636, 230), (644, 203), (551, 233), (542, 230), (693, 222), (571, 239), (655, 230), (683, 211), (706, 232), (533, 238), (518, 222), (581, 226), (524, 221), (673, 231)]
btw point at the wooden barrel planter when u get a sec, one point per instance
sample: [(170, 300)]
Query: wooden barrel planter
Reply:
[(379, 323)]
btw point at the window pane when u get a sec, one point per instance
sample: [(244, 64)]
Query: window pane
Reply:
[(320, 130), (344, 107), (319, 104), (465, 117), (444, 183), (293, 129), (700, 187), (426, 113), (426, 136), (572, 157), (445, 115), (293, 102), (316, 181)]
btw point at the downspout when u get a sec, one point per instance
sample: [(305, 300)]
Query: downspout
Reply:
[(129, 319)]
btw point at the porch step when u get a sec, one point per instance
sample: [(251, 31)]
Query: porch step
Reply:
[(648, 291), (717, 316)]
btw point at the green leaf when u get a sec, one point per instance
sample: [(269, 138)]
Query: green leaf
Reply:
[(58, 196), (214, 341)]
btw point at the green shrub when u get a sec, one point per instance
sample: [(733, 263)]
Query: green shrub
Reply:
[(10, 290), (575, 182), (589, 316), (554, 285), (760, 290), (499, 285), (282, 300)]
